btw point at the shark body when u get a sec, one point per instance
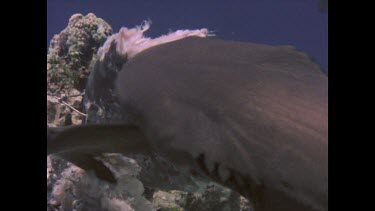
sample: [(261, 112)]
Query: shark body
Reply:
[(251, 117)]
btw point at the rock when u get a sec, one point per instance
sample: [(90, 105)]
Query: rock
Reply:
[(68, 63), (214, 197), (71, 52), (80, 190)]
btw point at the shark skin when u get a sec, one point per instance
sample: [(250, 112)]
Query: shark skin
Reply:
[(251, 117)]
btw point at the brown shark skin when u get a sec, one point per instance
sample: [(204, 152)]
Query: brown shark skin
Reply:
[(258, 112), (251, 117), (80, 144), (96, 138)]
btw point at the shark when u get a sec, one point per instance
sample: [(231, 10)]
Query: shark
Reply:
[(251, 117)]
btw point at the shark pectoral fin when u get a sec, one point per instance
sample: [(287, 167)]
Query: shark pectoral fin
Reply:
[(98, 138), (79, 144), (88, 162)]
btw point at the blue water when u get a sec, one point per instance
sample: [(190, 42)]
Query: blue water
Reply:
[(277, 22)]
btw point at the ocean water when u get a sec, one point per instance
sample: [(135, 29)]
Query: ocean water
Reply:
[(300, 23)]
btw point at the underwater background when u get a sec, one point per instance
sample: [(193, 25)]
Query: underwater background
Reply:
[(76, 29), (301, 23)]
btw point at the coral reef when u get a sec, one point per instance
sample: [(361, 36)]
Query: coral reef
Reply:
[(70, 57)]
